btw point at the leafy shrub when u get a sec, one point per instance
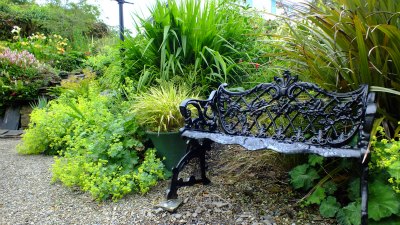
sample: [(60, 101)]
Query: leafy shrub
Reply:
[(99, 144), (108, 66), (53, 49), (81, 19), (77, 86), (386, 156), (383, 202)]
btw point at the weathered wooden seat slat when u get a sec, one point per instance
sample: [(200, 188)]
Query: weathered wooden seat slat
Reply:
[(286, 116)]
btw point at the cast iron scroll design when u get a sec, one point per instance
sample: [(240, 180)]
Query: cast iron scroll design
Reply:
[(292, 111), (195, 149), (199, 114), (286, 110)]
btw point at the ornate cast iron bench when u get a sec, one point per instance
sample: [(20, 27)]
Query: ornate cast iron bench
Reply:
[(287, 116)]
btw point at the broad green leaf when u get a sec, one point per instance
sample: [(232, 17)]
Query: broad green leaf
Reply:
[(354, 189), (329, 207), (394, 170), (350, 215), (383, 201), (317, 196), (393, 220), (315, 160), (330, 187), (303, 176)]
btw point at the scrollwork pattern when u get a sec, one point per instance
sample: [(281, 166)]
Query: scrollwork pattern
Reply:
[(286, 110)]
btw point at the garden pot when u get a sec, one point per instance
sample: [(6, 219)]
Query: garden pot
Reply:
[(169, 145)]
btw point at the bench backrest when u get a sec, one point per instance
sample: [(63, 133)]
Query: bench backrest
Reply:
[(292, 111)]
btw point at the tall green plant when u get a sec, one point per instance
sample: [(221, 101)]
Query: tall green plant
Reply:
[(199, 41), (347, 44)]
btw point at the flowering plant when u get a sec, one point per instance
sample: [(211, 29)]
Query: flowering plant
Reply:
[(21, 76), (22, 59), (44, 47), (53, 49)]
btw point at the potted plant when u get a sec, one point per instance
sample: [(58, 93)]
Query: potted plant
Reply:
[(157, 110)]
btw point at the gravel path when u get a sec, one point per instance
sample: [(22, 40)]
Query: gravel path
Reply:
[(28, 197)]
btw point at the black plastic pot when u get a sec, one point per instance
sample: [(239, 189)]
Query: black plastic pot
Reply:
[(169, 145)]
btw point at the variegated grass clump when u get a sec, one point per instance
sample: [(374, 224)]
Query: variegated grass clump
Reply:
[(157, 109)]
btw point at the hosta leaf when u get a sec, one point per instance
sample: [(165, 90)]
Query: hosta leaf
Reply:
[(329, 207), (302, 176), (383, 201), (350, 215)]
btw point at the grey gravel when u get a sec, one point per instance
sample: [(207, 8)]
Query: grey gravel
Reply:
[(28, 197)]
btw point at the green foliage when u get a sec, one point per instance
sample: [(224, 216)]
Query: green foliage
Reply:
[(350, 214), (44, 134), (198, 41), (40, 103), (303, 176), (329, 207), (53, 49), (99, 144), (314, 160), (158, 108), (316, 196), (387, 157), (393, 220), (21, 76), (80, 18), (383, 201), (108, 66), (348, 43)]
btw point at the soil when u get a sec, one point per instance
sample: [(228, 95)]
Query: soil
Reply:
[(248, 187)]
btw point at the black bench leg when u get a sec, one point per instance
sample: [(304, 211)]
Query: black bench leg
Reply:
[(195, 150), (364, 191)]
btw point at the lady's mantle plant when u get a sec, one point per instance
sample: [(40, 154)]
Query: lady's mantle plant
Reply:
[(98, 143)]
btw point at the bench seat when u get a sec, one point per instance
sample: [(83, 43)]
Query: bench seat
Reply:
[(255, 143)]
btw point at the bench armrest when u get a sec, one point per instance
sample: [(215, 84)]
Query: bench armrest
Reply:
[(370, 112), (199, 114)]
